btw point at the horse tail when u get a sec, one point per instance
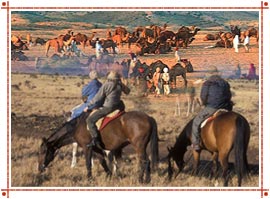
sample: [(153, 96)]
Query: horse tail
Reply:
[(154, 144), (240, 147)]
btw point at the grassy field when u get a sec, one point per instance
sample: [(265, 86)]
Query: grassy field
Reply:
[(38, 106)]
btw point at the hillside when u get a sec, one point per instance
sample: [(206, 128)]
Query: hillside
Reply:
[(130, 19)]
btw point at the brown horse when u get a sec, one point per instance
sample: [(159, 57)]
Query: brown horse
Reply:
[(219, 136), (135, 128)]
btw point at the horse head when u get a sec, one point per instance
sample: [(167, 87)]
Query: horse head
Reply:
[(178, 157), (46, 155)]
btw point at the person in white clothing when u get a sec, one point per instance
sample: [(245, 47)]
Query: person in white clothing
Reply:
[(177, 55), (236, 43), (166, 81), (246, 43), (98, 49)]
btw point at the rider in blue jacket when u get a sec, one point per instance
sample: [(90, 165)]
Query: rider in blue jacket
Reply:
[(88, 93)]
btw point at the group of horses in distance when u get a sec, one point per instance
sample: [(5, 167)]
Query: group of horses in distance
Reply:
[(226, 131)]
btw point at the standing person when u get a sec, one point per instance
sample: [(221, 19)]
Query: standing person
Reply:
[(236, 43), (88, 93), (109, 93), (142, 80), (238, 71), (246, 43), (215, 94), (125, 71), (177, 55), (252, 72), (98, 49), (166, 81), (156, 82), (133, 61)]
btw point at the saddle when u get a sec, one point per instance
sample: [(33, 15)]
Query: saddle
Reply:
[(212, 117), (102, 122)]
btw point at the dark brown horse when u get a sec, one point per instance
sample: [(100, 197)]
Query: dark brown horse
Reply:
[(227, 131), (135, 128)]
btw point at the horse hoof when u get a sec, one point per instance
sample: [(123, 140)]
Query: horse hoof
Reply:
[(109, 175), (147, 181)]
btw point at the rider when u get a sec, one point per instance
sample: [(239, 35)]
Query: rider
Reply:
[(88, 92), (109, 93), (215, 94)]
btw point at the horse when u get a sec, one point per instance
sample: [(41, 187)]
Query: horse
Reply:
[(219, 136), (134, 127)]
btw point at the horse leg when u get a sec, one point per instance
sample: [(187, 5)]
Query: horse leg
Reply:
[(88, 152), (74, 152), (196, 156), (223, 158), (215, 165), (104, 164), (113, 163), (144, 168)]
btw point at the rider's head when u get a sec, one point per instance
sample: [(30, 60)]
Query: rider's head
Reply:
[(93, 74), (113, 76)]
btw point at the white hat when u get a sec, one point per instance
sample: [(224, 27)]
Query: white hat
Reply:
[(165, 70)]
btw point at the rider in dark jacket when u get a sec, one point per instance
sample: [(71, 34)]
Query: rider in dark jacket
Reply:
[(110, 94), (215, 94)]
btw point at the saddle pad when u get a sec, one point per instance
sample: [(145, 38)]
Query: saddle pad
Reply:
[(217, 113), (106, 120), (102, 122)]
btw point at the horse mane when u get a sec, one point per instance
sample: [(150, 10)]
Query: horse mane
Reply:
[(69, 124), (183, 139)]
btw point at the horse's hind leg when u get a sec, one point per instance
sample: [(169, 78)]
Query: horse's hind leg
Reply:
[(196, 156), (104, 165), (223, 158), (215, 165), (144, 168)]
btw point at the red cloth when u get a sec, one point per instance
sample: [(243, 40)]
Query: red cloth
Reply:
[(141, 69), (107, 120)]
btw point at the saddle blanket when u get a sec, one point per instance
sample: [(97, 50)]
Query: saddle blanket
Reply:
[(102, 122), (212, 117)]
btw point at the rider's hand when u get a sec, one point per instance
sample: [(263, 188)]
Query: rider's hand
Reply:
[(85, 109)]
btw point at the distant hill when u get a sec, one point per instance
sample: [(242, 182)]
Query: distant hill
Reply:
[(33, 20)]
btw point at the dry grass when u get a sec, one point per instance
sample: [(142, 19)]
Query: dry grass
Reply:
[(48, 98)]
